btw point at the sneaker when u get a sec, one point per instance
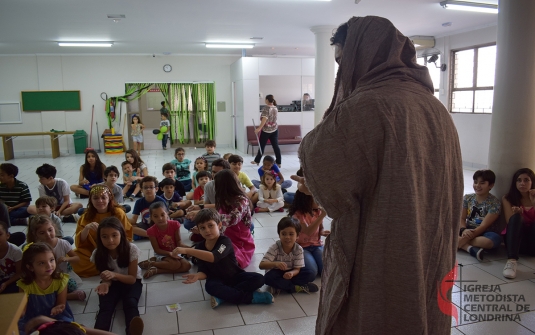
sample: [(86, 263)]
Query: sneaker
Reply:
[(262, 298), (308, 288), (509, 271), (136, 326), (274, 291), (214, 302), (477, 253), (131, 198)]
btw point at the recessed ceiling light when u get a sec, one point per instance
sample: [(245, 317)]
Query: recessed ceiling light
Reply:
[(116, 16), (85, 44), (272, 48), (256, 38), (229, 45), (470, 6), (296, 48), (116, 20)]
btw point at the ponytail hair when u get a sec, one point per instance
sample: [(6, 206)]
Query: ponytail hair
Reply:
[(271, 100)]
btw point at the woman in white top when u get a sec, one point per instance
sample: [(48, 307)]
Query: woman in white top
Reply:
[(270, 131)]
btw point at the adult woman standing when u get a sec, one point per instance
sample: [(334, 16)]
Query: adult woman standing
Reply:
[(101, 205), (270, 131), (386, 255)]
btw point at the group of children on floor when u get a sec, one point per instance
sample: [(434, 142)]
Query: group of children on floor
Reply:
[(482, 227), (47, 268)]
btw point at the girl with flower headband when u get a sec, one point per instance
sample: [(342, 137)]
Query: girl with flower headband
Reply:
[(100, 206), (45, 286), (201, 164)]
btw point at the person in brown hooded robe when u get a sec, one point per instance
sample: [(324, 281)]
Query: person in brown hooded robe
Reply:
[(396, 203)]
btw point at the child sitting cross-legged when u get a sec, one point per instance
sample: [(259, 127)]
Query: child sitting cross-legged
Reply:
[(225, 280), (480, 210), (284, 261), (177, 206), (270, 198), (164, 236)]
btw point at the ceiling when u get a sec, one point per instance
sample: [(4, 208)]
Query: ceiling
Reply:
[(183, 26)]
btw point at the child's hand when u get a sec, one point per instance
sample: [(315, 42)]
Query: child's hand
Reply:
[(282, 266), (85, 182), (179, 251), (102, 289), (325, 232), (468, 233), (2, 287), (60, 260), (175, 256), (323, 213), (129, 183), (190, 278), (287, 275), (517, 210), (57, 310), (107, 275), (92, 226)]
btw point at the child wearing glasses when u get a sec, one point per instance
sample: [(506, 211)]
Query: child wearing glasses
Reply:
[(149, 185)]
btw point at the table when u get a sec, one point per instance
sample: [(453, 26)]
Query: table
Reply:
[(7, 142), (11, 307)]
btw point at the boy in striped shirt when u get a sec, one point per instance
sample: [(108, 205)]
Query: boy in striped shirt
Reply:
[(15, 194)]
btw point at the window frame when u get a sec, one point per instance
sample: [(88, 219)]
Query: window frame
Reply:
[(474, 87)]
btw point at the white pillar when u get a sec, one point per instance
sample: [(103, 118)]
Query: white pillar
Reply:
[(324, 73), (512, 135)]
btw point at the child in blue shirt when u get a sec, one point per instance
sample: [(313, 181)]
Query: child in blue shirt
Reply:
[(268, 164), (182, 164)]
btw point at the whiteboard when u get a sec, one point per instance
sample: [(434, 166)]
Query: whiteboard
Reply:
[(10, 112)]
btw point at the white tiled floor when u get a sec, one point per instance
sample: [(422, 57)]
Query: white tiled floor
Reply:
[(291, 314)]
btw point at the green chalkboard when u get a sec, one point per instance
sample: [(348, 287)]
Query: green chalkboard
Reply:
[(36, 101)]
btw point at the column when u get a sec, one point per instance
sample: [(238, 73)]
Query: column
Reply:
[(512, 136), (324, 71)]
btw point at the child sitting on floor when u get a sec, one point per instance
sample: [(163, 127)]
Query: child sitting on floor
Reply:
[(284, 262), (225, 280), (270, 196), (164, 236), (480, 210)]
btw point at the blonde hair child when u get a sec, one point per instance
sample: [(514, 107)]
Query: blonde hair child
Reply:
[(42, 229)]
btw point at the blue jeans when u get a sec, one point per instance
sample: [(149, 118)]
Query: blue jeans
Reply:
[(19, 213), (314, 258), (164, 140), (187, 184), (274, 279), (238, 290), (289, 197), (285, 184)]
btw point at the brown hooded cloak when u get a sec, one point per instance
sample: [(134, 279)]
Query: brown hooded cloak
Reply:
[(392, 152)]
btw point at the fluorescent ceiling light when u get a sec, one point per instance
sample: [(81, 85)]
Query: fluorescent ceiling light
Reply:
[(229, 46), (85, 44), (470, 6)]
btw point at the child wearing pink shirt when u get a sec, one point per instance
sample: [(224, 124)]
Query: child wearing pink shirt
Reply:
[(310, 216)]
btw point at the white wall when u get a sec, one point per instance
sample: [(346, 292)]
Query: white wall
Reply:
[(473, 129), (285, 89), (93, 75)]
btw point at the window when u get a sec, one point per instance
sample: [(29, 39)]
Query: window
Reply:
[(472, 83), (434, 72)]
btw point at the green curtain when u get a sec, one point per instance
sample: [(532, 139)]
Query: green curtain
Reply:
[(180, 106), (204, 107)]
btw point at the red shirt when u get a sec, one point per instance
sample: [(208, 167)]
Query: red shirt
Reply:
[(166, 238), (198, 194)]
